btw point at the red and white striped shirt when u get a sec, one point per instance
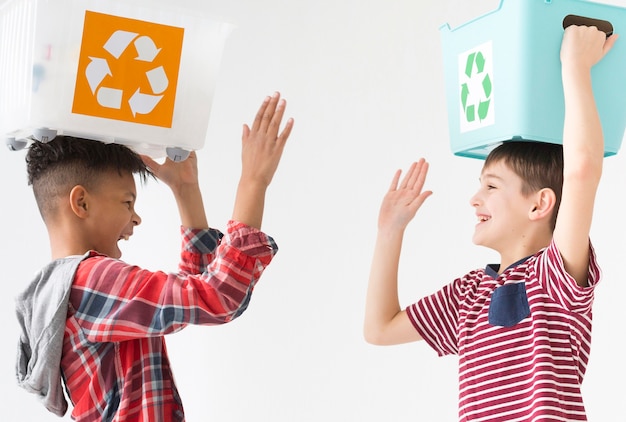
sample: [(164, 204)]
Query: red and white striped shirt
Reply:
[(523, 338)]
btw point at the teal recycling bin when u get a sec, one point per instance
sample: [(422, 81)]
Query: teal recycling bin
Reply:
[(502, 74)]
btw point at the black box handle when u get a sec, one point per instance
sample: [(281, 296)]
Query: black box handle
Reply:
[(602, 25)]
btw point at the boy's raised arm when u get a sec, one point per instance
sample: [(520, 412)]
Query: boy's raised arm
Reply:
[(385, 323), (262, 147), (583, 146)]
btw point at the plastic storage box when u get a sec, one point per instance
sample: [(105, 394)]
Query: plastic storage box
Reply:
[(503, 75), (122, 71)]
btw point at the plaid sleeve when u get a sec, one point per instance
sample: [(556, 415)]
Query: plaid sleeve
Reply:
[(198, 249), (199, 245), (114, 301)]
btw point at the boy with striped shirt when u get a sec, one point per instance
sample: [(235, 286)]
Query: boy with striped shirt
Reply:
[(521, 329)]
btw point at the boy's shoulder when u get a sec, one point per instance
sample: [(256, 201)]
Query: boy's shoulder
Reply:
[(54, 279), (96, 265)]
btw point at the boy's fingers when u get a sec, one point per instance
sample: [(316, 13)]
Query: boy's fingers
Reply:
[(408, 176), (259, 115), (149, 162), (282, 138), (415, 176), (274, 124), (269, 112), (610, 42), (395, 180), (421, 175), (245, 132)]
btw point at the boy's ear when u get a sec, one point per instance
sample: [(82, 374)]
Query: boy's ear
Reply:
[(542, 207), (78, 201)]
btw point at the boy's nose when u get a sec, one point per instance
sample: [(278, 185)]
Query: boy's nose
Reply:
[(136, 219), (474, 201)]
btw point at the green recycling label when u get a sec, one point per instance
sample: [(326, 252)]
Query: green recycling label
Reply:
[(477, 108)]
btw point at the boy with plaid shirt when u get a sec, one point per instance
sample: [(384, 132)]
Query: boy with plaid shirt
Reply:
[(99, 323)]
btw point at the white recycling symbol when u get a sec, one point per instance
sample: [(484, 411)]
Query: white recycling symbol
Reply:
[(98, 69)]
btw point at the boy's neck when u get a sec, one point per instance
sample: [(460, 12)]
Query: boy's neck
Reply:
[(63, 252), (523, 250), (63, 245)]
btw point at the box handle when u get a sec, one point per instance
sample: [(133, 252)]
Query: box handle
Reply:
[(604, 26)]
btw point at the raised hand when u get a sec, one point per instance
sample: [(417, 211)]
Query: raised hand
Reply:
[(175, 174), (585, 45), (262, 145), (261, 150), (403, 199)]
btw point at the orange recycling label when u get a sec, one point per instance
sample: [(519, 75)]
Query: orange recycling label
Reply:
[(128, 70)]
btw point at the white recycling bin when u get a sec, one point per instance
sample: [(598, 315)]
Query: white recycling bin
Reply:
[(129, 72)]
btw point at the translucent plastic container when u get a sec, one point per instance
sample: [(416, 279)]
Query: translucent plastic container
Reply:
[(116, 71), (503, 75)]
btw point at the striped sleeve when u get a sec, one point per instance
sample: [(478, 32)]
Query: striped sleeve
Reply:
[(115, 301), (435, 318), (561, 286)]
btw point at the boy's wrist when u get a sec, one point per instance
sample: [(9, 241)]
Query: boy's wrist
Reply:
[(391, 233), (191, 206), (249, 203), (186, 190), (253, 184)]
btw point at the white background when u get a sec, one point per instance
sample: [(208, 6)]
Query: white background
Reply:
[(363, 80)]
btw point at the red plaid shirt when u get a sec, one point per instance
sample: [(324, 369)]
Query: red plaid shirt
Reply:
[(114, 363)]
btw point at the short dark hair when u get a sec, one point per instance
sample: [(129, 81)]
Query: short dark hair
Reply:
[(538, 164), (55, 167)]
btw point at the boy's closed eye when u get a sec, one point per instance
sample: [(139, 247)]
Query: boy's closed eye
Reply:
[(486, 185)]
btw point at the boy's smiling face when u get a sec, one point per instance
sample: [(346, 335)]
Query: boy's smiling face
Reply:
[(501, 208), (112, 216)]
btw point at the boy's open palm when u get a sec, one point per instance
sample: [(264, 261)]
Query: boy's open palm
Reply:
[(262, 145), (404, 198)]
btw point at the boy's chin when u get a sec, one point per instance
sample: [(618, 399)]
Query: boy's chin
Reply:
[(479, 241), (476, 240)]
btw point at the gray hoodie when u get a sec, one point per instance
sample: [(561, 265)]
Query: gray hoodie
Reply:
[(41, 312)]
